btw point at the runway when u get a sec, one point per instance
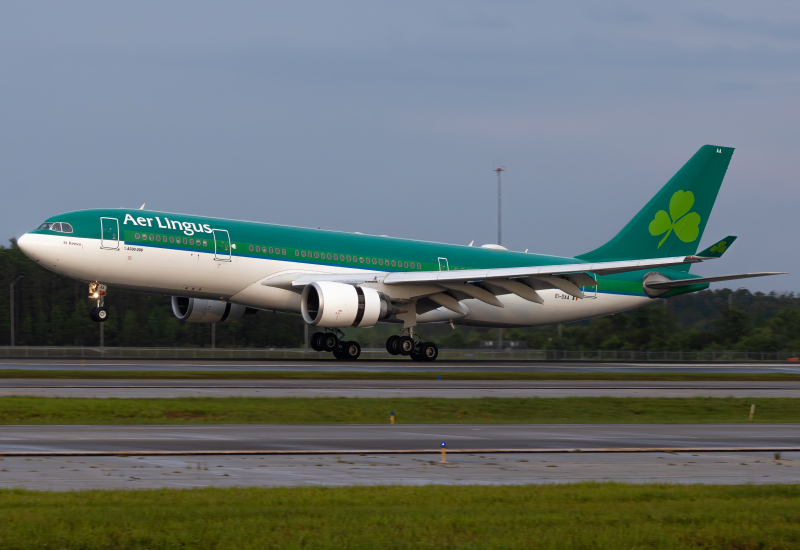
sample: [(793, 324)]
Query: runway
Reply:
[(397, 365), (378, 459), (388, 388), (115, 472), (387, 438)]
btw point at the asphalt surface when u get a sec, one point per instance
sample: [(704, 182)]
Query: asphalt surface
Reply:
[(389, 388), (146, 472), (366, 438), (398, 365)]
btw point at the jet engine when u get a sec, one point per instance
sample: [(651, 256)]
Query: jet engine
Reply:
[(336, 305), (194, 310)]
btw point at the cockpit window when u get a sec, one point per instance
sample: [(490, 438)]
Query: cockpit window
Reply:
[(61, 227)]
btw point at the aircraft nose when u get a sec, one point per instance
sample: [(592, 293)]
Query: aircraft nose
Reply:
[(27, 243)]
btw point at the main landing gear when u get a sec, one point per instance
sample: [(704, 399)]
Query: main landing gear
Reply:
[(413, 346), (97, 292), (333, 340)]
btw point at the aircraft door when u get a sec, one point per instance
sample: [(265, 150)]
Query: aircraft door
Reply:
[(443, 265), (109, 233), (222, 245)]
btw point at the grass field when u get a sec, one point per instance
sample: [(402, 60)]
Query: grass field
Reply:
[(317, 375), (292, 410), (588, 515)]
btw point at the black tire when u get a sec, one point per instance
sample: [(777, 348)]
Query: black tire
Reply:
[(391, 344), (339, 354), (429, 351), (101, 314), (329, 341), (351, 350), (405, 345), (314, 341), (92, 316), (416, 356)]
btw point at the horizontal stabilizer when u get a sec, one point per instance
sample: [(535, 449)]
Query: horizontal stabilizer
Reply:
[(701, 280), (718, 248)]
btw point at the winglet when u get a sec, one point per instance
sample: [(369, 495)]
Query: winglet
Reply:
[(718, 248), (142, 206)]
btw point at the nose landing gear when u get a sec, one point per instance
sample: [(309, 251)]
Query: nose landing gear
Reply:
[(97, 292), (333, 340), (412, 346)]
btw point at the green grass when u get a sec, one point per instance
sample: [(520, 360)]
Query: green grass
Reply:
[(316, 375), (293, 410), (586, 515)]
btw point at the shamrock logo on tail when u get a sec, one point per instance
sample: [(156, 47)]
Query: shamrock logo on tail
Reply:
[(719, 247), (686, 226)]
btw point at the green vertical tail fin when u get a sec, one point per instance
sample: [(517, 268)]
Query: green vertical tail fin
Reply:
[(672, 223)]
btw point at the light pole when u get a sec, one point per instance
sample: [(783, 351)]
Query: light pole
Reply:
[(499, 236), (12, 308)]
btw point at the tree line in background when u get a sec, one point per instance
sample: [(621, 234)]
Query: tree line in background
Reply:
[(52, 310)]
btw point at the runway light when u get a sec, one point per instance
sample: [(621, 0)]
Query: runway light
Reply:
[(444, 452)]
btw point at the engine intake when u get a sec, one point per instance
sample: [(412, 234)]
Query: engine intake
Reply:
[(336, 305), (194, 310)]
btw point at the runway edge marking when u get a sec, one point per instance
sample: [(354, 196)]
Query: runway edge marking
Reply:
[(404, 451)]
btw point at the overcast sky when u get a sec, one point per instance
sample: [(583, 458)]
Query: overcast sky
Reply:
[(388, 117)]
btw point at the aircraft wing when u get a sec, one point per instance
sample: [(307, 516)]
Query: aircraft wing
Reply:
[(446, 287), (687, 282)]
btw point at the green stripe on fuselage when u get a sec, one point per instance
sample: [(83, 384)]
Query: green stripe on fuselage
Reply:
[(363, 250)]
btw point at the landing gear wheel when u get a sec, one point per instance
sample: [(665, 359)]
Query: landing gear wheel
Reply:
[(99, 315), (339, 354), (417, 356), (351, 350), (328, 341), (391, 345), (405, 345), (315, 341), (428, 351)]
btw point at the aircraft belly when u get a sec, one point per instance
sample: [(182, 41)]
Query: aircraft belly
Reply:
[(557, 308)]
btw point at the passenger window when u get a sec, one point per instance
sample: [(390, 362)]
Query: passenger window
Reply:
[(205, 243), (316, 254), (336, 257), (283, 251), (348, 258), (137, 236), (329, 256), (361, 260), (393, 263), (184, 239), (380, 261), (303, 253), (405, 264), (419, 266), (251, 248), (171, 239), (151, 237), (66, 228), (158, 238), (191, 241)]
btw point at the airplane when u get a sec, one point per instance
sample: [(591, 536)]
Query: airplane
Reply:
[(218, 270)]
